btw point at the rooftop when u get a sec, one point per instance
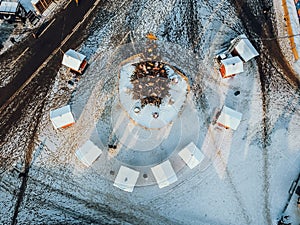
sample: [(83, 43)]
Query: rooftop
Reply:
[(9, 7)]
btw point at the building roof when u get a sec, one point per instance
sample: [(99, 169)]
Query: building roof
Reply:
[(244, 48), (34, 1), (9, 7), (164, 174), (233, 65), (126, 179), (88, 153), (229, 118), (191, 155), (62, 117), (73, 59)]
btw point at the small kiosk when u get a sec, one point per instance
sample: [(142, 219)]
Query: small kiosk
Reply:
[(242, 47), (126, 179), (88, 153), (62, 117), (191, 155), (74, 61), (164, 174), (231, 66), (229, 118)]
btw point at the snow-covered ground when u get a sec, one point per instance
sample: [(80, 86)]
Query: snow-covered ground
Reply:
[(241, 181)]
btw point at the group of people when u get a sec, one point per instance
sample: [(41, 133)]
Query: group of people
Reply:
[(149, 68), (151, 100), (150, 82)]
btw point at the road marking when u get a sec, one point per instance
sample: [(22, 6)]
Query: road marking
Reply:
[(14, 62), (88, 13), (76, 27), (65, 40), (44, 63), (47, 27), (67, 4)]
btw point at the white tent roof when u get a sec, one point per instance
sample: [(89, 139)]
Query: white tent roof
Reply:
[(126, 179), (62, 117), (191, 155), (164, 174), (10, 7), (229, 118), (73, 59), (233, 65), (88, 153), (244, 48)]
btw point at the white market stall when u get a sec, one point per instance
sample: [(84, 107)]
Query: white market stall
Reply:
[(88, 153), (191, 155), (164, 174), (74, 60), (62, 117), (126, 179), (242, 47), (231, 66), (229, 118)]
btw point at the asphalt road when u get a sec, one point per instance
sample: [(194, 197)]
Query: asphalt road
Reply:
[(39, 49)]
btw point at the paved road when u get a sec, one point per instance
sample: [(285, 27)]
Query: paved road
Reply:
[(41, 48)]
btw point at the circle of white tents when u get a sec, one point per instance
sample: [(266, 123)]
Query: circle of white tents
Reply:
[(191, 155)]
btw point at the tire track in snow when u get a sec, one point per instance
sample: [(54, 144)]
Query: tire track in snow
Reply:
[(101, 206), (27, 162), (236, 193), (211, 17), (265, 141)]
